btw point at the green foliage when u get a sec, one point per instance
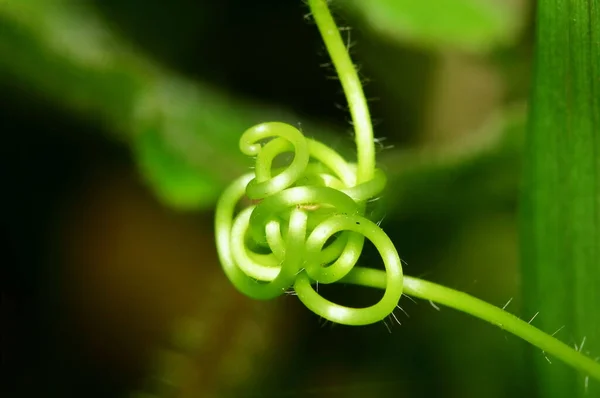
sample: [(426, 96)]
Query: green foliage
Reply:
[(178, 129), (468, 24), (561, 202), (66, 53)]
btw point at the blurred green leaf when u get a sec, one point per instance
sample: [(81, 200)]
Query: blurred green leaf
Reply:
[(184, 134), (186, 139), (474, 25)]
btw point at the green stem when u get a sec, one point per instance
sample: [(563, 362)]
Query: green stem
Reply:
[(478, 308), (350, 81), (505, 320), (560, 239)]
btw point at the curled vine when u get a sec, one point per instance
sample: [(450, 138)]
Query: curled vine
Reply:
[(306, 223)]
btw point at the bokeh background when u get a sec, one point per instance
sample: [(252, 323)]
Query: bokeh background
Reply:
[(120, 122)]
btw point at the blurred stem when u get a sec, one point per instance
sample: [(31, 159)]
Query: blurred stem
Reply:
[(561, 199)]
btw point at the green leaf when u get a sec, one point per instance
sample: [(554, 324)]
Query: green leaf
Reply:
[(561, 201), (183, 134), (474, 25), (185, 139), (177, 129)]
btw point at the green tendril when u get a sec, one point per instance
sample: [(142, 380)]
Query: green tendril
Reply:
[(307, 225)]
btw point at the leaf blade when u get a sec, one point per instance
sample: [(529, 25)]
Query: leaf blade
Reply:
[(561, 199), (475, 25)]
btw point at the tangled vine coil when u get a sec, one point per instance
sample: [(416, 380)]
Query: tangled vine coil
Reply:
[(306, 223), (307, 226)]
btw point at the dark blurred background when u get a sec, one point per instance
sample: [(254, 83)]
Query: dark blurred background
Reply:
[(109, 290)]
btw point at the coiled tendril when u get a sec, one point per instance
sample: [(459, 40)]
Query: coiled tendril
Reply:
[(306, 223), (307, 227)]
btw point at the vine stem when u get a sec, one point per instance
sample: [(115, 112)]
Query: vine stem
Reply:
[(413, 286), (471, 305), (353, 90), (466, 303)]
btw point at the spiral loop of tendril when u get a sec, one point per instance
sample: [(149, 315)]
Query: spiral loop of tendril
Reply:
[(306, 225)]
